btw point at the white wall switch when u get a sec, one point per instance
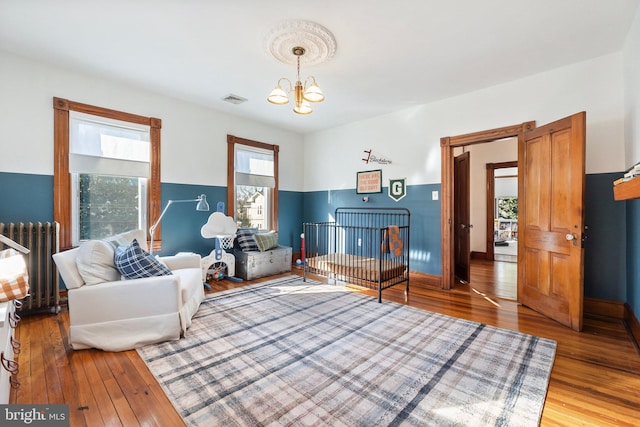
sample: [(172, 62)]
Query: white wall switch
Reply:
[(434, 195)]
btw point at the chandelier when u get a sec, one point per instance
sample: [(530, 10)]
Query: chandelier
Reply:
[(302, 94)]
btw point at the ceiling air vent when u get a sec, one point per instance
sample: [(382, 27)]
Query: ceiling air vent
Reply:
[(234, 99)]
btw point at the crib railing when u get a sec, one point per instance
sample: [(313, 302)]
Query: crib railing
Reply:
[(358, 247)]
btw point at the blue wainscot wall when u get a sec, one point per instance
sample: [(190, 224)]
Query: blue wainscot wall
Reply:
[(632, 239), (29, 198), (182, 223), (612, 249), (604, 256)]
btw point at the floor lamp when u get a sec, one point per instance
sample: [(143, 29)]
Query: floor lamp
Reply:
[(201, 206)]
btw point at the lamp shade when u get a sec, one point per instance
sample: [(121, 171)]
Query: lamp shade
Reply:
[(313, 93), (202, 203), (303, 108), (278, 96)]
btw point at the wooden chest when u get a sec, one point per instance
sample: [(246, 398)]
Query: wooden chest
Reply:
[(253, 265)]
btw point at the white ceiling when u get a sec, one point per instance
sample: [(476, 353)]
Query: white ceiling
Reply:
[(391, 54)]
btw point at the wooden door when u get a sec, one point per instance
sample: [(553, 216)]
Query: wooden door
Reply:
[(551, 219), (461, 217)]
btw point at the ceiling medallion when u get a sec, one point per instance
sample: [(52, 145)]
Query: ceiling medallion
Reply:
[(318, 42)]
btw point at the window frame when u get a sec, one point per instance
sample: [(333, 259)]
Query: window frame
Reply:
[(62, 191), (231, 174)]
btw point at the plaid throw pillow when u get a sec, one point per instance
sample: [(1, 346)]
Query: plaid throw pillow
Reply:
[(133, 262), (266, 241), (14, 277), (246, 241)]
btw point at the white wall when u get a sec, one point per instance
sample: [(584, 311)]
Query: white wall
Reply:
[(481, 154), (194, 139), (632, 93), (411, 138)]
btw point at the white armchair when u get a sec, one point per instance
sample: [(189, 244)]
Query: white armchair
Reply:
[(117, 315)]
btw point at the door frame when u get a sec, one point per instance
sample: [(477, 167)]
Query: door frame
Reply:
[(447, 146), (491, 194)]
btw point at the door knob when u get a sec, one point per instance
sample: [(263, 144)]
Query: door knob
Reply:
[(570, 236)]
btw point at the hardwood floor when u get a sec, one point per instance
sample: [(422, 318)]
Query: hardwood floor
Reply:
[(494, 278), (595, 378)]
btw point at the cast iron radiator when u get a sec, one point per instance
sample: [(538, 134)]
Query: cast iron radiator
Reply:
[(44, 282)]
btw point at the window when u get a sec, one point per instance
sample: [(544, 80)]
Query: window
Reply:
[(507, 207), (107, 177), (109, 166), (253, 179)]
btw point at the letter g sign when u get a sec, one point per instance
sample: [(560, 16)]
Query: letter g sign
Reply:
[(397, 188)]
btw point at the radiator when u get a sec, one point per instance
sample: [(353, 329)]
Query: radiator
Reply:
[(44, 282)]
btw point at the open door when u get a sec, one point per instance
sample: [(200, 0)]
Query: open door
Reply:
[(551, 219), (461, 217)]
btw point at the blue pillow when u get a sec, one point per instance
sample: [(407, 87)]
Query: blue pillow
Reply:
[(133, 262)]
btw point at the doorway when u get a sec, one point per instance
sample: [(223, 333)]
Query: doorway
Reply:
[(551, 187), (491, 222), (502, 211), (448, 146)]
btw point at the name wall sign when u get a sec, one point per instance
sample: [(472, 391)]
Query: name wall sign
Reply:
[(372, 157)]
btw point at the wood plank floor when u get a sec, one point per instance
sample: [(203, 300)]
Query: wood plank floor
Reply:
[(595, 379), (494, 278)]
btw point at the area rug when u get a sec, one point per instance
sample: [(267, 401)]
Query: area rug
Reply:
[(292, 353)]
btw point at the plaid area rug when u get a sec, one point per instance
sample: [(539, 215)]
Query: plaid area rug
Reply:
[(287, 352)]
